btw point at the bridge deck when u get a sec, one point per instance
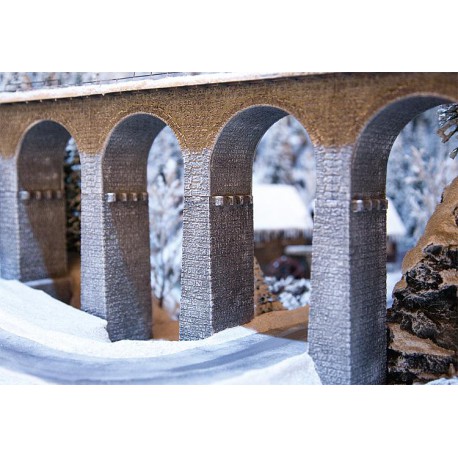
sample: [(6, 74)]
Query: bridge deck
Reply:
[(138, 85)]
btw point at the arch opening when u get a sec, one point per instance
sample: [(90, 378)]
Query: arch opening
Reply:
[(44, 208), (165, 177), (376, 140), (266, 145)]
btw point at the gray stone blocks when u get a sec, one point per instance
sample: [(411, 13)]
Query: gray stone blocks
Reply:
[(353, 120), (32, 208), (115, 254)]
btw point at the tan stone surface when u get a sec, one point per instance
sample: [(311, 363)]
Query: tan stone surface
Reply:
[(409, 344), (333, 108), (440, 230), (167, 329), (282, 319)]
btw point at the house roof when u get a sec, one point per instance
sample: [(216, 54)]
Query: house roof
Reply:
[(279, 207), (394, 226)]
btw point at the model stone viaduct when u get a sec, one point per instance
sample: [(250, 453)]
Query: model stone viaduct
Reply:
[(352, 119)]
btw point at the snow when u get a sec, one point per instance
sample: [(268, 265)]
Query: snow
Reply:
[(419, 167), (34, 315), (297, 370), (292, 292), (394, 226), (279, 207), (8, 377), (166, 191), (392, 277), (444, 381), (144, 84)]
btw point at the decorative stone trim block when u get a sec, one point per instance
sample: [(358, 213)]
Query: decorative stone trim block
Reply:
[(48, 194), (221, 201), (368, 204), (112, 197)]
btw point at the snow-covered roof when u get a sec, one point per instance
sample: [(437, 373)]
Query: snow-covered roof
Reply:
[(279, 207), (394, 226)]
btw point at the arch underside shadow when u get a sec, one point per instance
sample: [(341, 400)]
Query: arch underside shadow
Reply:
[(41, 204), (33, 236)]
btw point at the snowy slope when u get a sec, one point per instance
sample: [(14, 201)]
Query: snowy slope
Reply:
[(33, 321)]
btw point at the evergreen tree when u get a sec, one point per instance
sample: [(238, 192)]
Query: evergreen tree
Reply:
[(165, 189), (418, 170), (285, 155), (72, 184), (448, 124)]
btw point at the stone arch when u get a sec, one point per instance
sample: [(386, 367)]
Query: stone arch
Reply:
[(40, 182), (231, 161), (126, 150), (230, 213), (115, 229), (374, 142), (368, 232), (33, 244), (41, 151)]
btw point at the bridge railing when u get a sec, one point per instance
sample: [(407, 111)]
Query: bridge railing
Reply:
[(27, 82)]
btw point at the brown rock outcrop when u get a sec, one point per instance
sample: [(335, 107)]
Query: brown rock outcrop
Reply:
[(264, 300), (423, 322)]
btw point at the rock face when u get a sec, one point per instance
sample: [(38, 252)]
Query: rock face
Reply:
[(264, 300), (423, 322)]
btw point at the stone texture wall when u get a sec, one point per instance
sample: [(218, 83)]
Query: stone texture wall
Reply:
[(330, 319), (34, 206), (120, 211), (337, 110)]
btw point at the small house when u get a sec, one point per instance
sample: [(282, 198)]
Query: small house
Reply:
[(283, 228)]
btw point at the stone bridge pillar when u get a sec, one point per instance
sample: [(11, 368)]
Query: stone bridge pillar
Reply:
[(217, 275), (10, 250), (196, 316), (32, 212), (347, 318), (330, 313), (115, 251), (232, 238), (348, 314)]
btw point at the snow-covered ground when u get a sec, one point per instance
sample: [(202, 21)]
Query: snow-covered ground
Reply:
[(55, 327), (47, 323), (444, 381), (392, 277)]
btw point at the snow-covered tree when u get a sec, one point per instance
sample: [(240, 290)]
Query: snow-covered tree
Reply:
[(285, 156), (448, 124), (419, 168), (72, 183), (165, 188)]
